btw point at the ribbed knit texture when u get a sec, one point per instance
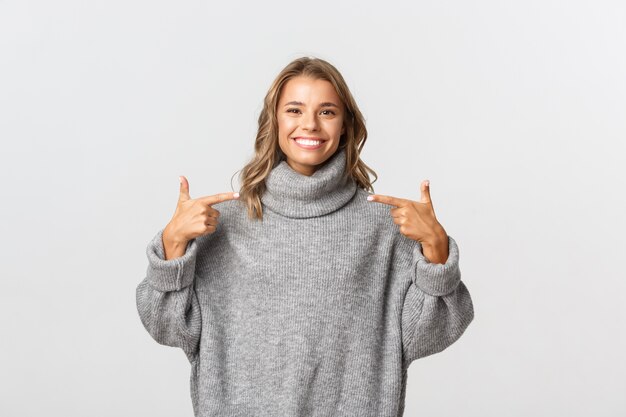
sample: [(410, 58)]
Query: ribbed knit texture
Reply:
[(317, 310)]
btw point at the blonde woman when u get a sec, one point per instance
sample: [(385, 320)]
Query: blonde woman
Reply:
[(303, 294)]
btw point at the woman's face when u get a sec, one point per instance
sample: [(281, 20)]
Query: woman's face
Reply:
[(309, 108)]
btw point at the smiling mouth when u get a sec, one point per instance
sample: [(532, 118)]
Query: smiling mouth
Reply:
[(307, 141)]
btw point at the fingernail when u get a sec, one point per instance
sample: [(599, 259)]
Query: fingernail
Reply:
[(236, 195), (370, 198), (180, 180), (428, 183)]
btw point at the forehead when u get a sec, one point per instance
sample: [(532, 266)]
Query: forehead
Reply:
[(306, 89)]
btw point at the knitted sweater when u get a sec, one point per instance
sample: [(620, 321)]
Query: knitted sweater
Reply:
[(317, 310)]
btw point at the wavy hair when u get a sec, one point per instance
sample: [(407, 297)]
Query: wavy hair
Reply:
[(267, 150)]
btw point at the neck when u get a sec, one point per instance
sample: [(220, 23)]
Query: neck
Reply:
[(292, 194)]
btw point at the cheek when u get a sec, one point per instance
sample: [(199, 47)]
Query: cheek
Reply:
[(335, 125), (285, 126)]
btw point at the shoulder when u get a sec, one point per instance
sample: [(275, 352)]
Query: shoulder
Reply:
[(374, 215), (378, 212), (228, 210), (380, 215)]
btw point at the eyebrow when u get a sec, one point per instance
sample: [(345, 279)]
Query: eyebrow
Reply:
[(299, 103)]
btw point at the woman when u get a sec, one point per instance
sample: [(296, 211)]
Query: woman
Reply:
[(299, 297)]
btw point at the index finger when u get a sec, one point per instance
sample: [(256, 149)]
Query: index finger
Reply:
[(218, 198), (387, 199)]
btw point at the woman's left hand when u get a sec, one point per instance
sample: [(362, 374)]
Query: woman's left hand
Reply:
[(417, 221)]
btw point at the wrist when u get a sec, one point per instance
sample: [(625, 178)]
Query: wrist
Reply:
[(172, 247), (438, 240), (172, 238), (435, 249)]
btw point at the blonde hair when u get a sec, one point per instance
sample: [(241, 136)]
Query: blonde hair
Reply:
[(267, 150)]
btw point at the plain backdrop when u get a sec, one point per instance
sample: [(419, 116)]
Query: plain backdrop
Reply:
[(515, 111)]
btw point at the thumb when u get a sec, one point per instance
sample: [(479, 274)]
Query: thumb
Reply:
[(425, 192), (184, 189)]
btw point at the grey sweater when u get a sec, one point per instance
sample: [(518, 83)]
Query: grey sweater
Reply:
[(318, 310)]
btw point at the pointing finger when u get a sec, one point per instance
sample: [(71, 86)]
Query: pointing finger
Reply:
[(218, 198), (386, 199)]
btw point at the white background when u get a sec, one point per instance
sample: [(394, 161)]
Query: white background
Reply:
[(515, 111)]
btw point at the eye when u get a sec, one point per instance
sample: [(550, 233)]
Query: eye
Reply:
[(289, 110), (332, 112)]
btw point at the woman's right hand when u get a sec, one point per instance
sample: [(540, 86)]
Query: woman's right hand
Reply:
[(192, 218)]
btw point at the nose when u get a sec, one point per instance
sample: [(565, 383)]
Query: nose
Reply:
[(309, 121)]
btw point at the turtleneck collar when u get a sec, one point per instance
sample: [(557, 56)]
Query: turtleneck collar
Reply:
[(295, 195)]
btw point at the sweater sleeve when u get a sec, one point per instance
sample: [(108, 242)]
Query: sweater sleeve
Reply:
[(166, 300), (437, 305)]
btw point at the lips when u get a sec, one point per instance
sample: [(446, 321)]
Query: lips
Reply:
[(319, 143), (308, 137)]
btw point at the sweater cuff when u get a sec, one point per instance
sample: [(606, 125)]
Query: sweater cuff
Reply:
[(173, 274), (437, 279)]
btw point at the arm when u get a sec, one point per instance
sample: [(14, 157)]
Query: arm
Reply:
[(437, 306), (166, 301)]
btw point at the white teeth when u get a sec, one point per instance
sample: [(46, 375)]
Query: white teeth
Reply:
[(308, 141)]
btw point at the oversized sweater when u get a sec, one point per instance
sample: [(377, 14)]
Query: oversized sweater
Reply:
[(317, 310)]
